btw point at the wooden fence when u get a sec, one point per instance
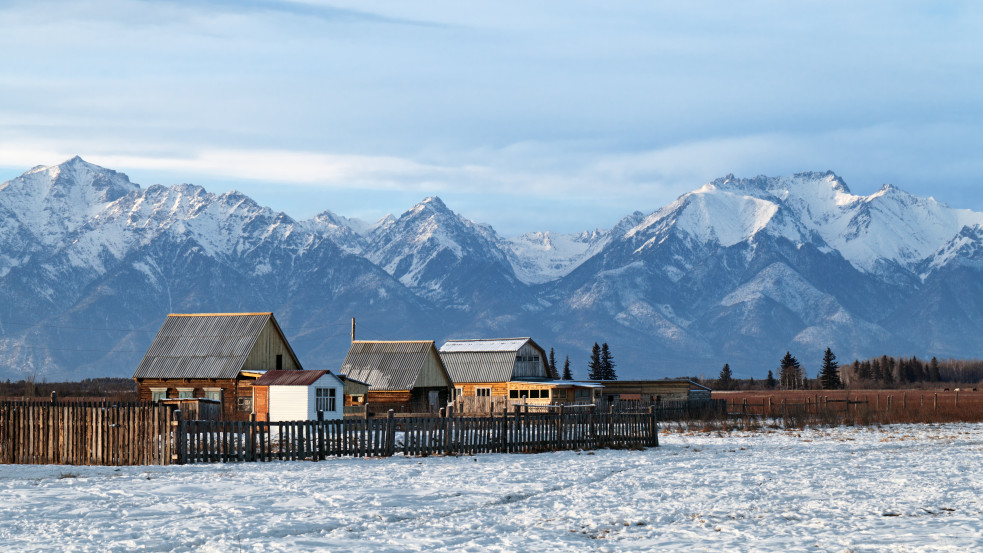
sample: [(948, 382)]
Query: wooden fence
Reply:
[(109, 434), (227, 441), (84, 433)]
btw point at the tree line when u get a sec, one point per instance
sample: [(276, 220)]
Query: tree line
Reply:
[(876, 372)]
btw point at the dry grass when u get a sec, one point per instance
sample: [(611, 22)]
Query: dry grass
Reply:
[(798, 409)]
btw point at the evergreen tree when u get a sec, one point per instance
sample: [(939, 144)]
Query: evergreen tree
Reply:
[(607, 363), (790, 373), (567, 375), (770, 381), (829, 375), (864, 372), (552, 366), (725, 381), (933, 370), (594, 371)]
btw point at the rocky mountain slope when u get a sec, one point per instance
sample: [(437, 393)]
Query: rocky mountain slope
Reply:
[(737, 271)]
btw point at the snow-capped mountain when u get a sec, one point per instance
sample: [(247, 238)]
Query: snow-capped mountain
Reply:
[(737, 271)]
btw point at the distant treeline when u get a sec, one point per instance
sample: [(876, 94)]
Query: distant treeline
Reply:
[(116, 388), (884, 372), (888, 372)]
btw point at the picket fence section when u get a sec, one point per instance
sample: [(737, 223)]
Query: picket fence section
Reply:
[(84, 433), (227, 441)]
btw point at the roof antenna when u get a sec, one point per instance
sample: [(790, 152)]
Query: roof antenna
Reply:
[(353, 330)]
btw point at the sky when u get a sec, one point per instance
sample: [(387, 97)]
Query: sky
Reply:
[(551, 115)]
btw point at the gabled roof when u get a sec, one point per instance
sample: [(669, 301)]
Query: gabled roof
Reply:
[(290, 378), (390, 366), (487, 360), (205, 345)]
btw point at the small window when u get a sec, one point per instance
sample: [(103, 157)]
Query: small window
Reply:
[(545, 394), (533, 394), (482, 392), (458, 392), (523, 393), (185, 393), (513, 394), (279, 362), (245, 404), (213, 393), (326, 399), (157, 394)]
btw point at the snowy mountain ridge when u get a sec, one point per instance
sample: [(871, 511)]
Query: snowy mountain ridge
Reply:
[(738, 271)]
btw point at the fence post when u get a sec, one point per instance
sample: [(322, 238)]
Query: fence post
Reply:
[(653, 427), (178, 428), (448, 428), (390, 433)]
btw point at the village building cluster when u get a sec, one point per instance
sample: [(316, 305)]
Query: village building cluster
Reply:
[(242, 364)]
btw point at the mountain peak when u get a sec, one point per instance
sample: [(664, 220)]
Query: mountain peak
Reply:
[(781, 186)]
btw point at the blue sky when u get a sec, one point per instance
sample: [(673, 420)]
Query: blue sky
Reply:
[(561, 115)]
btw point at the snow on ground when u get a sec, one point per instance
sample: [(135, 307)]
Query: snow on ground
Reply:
[(897, 488)]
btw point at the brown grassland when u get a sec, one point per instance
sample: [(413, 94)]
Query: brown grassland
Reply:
[(855, 407)]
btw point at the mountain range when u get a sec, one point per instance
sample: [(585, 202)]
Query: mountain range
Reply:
[(738, 271)]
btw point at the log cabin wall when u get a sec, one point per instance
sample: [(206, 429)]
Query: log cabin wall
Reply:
[(231, 392)]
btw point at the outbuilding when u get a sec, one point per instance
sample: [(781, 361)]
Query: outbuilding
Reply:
[(298, 395), (406, 376)]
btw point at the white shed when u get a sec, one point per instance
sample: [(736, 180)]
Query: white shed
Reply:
[(298, 395)]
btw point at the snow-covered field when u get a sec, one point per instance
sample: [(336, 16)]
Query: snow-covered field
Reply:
[(897, 488)]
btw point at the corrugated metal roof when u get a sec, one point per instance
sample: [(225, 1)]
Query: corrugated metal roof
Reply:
[(289, 378), (203, 345), (486, 360), (388, 365), (475, 366), (483, 345)]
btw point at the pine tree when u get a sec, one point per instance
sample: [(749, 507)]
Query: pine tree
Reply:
[(567, 375), (594, 366), (607, 363), (790, 374), (829, 375), (725, 381), (865, 372), (552, 366), (933, 370), (770, 381)]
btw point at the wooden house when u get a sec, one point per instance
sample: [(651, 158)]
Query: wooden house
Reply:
[(298, 395), (406, 376), (511, 368), (214, 356)]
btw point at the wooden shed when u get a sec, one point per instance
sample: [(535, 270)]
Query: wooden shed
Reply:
[(406, 376), (298, 395), (214, 356)]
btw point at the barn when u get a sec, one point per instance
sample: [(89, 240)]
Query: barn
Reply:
[(405, 376), (214, 356), (298, 395)]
